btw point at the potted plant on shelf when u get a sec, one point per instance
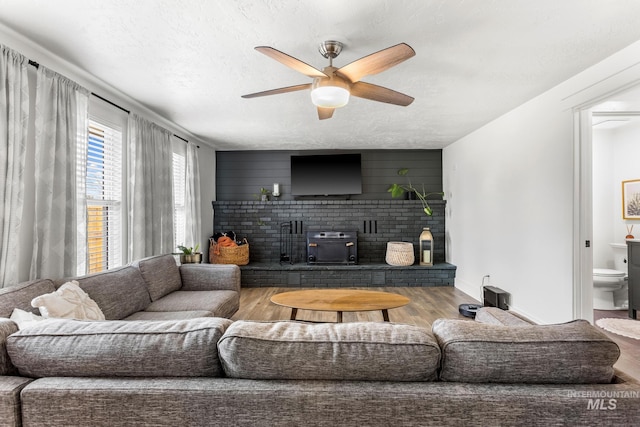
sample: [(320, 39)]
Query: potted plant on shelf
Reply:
[(190, 255), (264, 194), (397, 190)]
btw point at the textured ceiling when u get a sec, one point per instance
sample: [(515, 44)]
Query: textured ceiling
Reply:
[(191, 60)]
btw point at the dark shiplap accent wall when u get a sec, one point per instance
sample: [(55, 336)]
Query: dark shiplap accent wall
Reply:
[(241, 174)]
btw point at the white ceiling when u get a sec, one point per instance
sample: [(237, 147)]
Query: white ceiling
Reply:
[(191, 60)]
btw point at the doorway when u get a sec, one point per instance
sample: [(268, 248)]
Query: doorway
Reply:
[(609, 141)]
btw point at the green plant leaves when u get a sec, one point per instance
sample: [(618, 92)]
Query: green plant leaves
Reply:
[(396, 190), (189, 251)]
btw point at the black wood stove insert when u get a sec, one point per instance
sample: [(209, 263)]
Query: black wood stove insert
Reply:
[(332, 247)]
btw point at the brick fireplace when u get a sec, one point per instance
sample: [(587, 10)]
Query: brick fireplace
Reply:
[(375, 222)]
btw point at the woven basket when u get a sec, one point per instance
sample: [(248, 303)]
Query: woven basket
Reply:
[(400, 253), (238, 255)]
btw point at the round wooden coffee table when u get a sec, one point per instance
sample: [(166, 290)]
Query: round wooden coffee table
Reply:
[(339, 300)]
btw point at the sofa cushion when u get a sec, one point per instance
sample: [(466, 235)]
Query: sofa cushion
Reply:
[(21, 295), (220, 303), (329, 351), (573, 352), (169, 315), (69, 301), (11, 401), (161, 275), (119, 292), (182, 348), (7, 327), (209, 277)]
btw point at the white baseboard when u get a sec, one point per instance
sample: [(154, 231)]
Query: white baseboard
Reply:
[(473, 290), (526, 315)]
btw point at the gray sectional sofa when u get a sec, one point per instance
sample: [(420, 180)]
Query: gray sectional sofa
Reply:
[(204, 371), (154, 288)]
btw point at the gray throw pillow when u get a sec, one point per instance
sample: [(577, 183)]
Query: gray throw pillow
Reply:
[(161, 274)]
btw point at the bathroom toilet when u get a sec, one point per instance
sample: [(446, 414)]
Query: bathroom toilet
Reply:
[(610, 289), (605, 283)]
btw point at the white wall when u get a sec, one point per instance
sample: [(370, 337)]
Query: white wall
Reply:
[(207, 164), (509, 195), (603, 198), (510, 191)]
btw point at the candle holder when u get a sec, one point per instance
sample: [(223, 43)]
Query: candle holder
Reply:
[(426, 247)]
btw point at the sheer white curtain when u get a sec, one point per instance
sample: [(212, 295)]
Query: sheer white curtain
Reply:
[(14, 115), (150, 163), (192, 196), (59, 247)]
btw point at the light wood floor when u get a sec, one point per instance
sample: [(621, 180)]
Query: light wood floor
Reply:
[(427, 304)]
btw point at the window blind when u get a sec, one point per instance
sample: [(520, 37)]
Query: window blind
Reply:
[(104, 197)]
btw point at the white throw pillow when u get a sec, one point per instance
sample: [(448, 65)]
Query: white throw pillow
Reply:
[(69, 301), (24, 319)]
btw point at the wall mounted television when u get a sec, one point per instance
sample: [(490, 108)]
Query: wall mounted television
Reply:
[(326, 175)]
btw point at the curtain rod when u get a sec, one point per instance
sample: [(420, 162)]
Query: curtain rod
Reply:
[(110, 103), (129, 112), (36, 65)]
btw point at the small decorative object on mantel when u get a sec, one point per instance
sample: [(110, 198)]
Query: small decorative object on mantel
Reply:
[(264, 194), (398, 190), (629, 231), (190, 255), (400, 254)]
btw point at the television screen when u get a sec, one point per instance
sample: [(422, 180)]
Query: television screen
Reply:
[(326, 175)]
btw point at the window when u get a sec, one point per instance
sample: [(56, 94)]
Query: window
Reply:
[(179, 211), (104, 197)]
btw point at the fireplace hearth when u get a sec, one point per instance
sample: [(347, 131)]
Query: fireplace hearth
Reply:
[(332, 247), (279, 252)]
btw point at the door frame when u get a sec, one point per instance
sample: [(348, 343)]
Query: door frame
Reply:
[(583, 215), (583, 188)]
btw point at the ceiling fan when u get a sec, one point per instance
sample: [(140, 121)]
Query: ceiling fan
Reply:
[(332, 86)]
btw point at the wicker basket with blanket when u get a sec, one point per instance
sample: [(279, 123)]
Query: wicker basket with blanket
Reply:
[(227, 251)]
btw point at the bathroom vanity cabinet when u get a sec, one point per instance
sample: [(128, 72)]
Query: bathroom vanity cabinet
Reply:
[(633, 248)]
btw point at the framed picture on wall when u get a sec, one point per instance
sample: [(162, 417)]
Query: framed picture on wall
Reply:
[(631, 199)]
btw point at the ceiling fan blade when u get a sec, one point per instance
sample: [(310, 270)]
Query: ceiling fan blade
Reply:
[(380, 94), (291, 62), (277, 91), (325, 113), (376, 62)]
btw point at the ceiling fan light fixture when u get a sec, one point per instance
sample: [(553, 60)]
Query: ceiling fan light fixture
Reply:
[(332, 87), (329, 93)]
